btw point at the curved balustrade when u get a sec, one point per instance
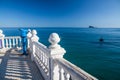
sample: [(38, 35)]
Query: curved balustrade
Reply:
[(49, 60), (60, 68), (41, 58), (51, 63)]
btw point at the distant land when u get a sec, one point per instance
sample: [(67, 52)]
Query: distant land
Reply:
[(91, 27)]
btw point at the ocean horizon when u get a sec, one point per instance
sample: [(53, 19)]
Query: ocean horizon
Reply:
[(83, 48)]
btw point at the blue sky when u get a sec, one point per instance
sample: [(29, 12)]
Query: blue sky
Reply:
[(59, 13)]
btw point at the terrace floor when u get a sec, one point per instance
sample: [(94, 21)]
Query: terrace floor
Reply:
[(14, 66)]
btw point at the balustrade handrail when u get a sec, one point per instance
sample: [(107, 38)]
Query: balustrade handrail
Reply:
[(42, 47), (12, 42), (8, 42), (41, 55), (73, 70), (9, 37)]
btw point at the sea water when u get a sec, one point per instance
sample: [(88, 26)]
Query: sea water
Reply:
[(101, 60)]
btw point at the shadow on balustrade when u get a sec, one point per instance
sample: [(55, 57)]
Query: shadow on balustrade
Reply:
[(16, 67)]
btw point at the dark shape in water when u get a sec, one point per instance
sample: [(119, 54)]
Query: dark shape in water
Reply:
[(101, 40), (91, 27)]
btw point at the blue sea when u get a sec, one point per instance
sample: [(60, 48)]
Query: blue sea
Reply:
[(101, 60)]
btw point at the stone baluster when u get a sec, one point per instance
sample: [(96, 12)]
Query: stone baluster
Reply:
[(6, 40), (56, 51), (2, 45), (20, 42), (16, 42), (56, 71), (46, 60), (34, 38), (42, 59), (13, 42), (62, 74), (68, 77), (10, 43)]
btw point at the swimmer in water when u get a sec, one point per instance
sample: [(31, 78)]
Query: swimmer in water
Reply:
[(101, 40)]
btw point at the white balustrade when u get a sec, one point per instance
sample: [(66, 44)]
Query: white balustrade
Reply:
[(9, 42), (12, 42), (42, 57), (50, 60), (40, 54)]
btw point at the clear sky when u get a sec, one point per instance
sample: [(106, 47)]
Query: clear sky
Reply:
[(59, 13)]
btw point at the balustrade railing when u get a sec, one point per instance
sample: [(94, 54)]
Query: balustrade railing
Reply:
[(12, 42), (50, 60), (41, 57), (9, 42), (75, 73)]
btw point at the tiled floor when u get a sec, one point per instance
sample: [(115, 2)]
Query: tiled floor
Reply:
[(14, 66)]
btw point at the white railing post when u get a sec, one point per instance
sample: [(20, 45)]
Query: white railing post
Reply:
[(16, 42), (56, 51), (67, 76), (13, 42), (29, 35), (62, 74), (34, 38), (56, 71), (6, 43), (2, 44), (20, 40)]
